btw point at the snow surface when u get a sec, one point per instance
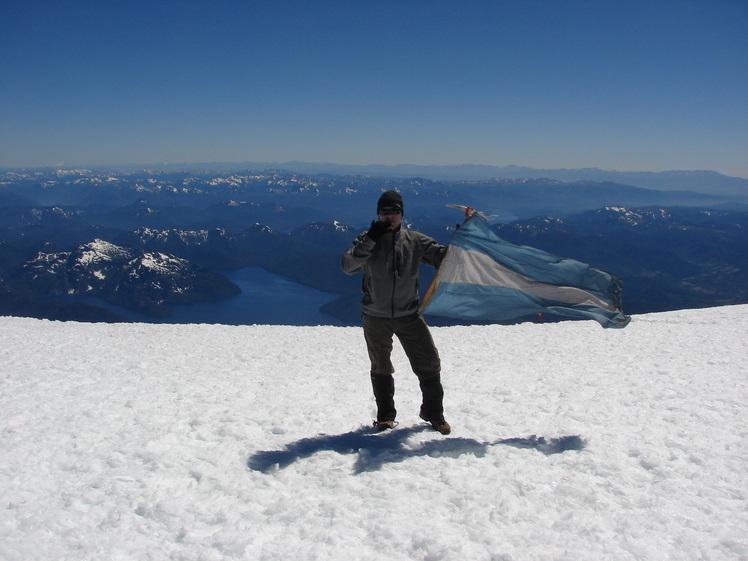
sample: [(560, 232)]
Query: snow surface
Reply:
[(203, 442)]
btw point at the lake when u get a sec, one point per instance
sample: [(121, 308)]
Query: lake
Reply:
[(266, 298)]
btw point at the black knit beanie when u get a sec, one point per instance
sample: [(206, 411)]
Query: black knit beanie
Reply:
[(390, 199)]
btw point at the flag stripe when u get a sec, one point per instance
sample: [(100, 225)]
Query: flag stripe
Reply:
[(475, 268), (491, 303)]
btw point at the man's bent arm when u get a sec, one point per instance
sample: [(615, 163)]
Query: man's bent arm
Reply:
[(353, 259)]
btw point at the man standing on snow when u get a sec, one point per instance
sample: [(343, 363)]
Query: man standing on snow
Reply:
[(390, 257)]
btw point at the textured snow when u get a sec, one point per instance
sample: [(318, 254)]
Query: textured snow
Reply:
[(201, 442), (97, 251), (161, 262)]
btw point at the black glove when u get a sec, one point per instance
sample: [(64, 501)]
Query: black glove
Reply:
[(377, 229)]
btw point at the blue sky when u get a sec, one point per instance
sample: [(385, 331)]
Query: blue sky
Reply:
[(619, 85)]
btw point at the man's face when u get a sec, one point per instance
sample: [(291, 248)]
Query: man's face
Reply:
[(392, 215)]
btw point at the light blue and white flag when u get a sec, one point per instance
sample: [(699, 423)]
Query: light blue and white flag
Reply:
[(483, 277)]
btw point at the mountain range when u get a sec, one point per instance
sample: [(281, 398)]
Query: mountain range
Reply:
[(699, 181), (148, 240)]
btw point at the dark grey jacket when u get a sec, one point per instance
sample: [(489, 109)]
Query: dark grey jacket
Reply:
[(390, 283)]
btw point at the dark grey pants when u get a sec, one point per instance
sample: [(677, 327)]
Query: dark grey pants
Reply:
[(415, 337)]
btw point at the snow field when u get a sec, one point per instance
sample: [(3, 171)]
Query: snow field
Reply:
[(138, 441)]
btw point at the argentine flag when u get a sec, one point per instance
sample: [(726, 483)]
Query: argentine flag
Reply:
[(483, 277)]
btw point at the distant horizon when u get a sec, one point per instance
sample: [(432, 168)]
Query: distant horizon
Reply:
[(189, 166), (193, 165), (700, 181)]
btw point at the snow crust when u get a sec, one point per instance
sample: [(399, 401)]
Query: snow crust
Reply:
[(208, 442)]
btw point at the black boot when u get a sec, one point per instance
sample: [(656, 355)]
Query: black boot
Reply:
[(384, 395), (432, 408)]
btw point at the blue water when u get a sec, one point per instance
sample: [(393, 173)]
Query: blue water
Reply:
[(266, 298)]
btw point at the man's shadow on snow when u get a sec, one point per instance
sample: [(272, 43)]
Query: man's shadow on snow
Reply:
[(375, 449)]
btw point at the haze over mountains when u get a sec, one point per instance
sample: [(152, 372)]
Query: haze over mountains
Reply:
[(174, 231), (699, 181)]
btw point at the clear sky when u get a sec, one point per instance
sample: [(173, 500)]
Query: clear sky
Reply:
[(620, 85)]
